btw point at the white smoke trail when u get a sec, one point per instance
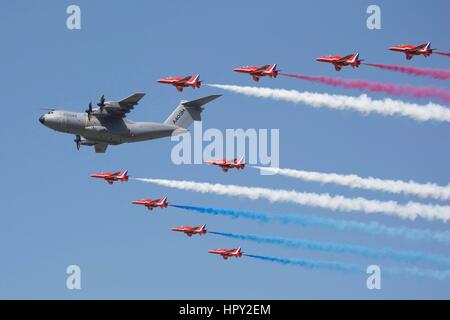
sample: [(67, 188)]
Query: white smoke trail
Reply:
[(410, 210), (362, 103), (426, 190)]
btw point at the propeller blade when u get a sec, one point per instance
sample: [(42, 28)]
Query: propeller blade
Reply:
[(78, 141), (101, 103), (89, 110)]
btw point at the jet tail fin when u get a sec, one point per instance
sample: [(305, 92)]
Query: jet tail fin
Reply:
[(193, 79), (162, 200), (271, 67), (123, 173), (188, 111), (355, 57)]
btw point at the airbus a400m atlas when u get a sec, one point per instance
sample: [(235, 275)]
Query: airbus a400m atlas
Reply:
[(108, 125)]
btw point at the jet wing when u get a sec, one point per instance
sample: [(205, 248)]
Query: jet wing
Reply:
[(122, 107), (262, 68), (183, 81), (345, 58)]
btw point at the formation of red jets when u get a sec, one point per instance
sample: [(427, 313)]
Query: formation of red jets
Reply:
[(256, 72), (270, 70), (151, 204)]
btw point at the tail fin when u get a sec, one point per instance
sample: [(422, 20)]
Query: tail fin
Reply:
[(162, 200), (240, 160), (355, 57), (271, 67), (202, 227), (123, 173), (193, 79), (188, 111), (238, 250)]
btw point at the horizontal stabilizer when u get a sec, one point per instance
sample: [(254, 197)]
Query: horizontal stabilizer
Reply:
[(200, 102)]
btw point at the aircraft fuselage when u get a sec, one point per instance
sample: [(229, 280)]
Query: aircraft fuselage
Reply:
[(106, 129)]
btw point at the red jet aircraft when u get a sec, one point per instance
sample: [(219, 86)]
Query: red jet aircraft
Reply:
[(257, 72), (410, 50), (228, 164), (339, 62), (151, 204), (110, 177), (225, 253), (181, 83), (189, 231)]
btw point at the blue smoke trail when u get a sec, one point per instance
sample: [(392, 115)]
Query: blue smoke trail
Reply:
[(415, 272), (372, 227), (411, 256), (312, 264)]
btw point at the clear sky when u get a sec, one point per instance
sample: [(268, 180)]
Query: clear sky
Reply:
[(53, 215)]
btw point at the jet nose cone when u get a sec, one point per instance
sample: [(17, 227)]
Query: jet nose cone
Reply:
[(42, 119)]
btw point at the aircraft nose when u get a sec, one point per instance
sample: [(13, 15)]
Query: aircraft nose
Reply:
[(42, 119)]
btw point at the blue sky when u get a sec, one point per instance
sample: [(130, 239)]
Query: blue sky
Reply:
[(53, 215)]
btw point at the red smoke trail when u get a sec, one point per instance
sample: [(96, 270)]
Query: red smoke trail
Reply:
[(443, 53), (441, 74), (418, 92)]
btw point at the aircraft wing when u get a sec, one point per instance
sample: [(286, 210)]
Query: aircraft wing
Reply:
[(343, 59), (124, 106), (262, 68), (184, 80)]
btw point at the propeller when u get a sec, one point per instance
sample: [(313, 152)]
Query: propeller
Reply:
[(101, 103), (78, 141), (89, 110)]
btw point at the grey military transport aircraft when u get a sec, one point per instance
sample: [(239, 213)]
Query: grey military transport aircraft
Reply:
[(108, 125)]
